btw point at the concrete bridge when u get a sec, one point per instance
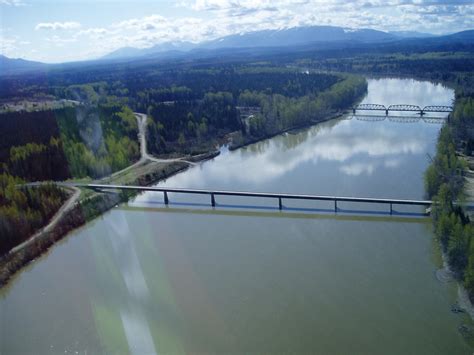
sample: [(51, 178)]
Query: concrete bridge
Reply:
[(212, 194), (403, 108)]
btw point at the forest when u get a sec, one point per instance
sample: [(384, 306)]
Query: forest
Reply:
[(70, 142), (24, 210), (191, 105), (279, 112), (188, 111), (91, 140), (182, 124), (444, 181)]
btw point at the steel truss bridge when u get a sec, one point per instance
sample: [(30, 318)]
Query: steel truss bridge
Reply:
[(403, 108)]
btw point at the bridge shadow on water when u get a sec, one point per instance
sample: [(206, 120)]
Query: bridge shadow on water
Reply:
[(275, 212)]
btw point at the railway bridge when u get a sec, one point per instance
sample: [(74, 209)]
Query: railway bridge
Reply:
[(403, 108)]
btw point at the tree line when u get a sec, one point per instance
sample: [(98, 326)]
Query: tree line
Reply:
[(279, 112), (180, 125), (444, 181)]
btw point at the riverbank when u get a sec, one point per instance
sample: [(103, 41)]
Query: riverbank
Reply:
[(94, 204), (331, 116), (91, 206), (447, 180)]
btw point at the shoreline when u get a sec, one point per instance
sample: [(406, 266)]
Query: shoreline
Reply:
[(84, 211), (94, 206), (329, 117)]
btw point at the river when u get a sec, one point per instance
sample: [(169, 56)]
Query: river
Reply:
[(245, 277)]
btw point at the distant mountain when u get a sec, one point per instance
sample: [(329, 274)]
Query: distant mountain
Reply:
[(298, 36), (125, 52), (267, 38), (12, 66), (130, 52), (411, 34), (309, 36), (464, 36)]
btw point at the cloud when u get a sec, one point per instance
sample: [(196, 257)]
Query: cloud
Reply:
[(356, 169), (58, 26), (8, 46), (210, 19), (12, 2), (59, 41)]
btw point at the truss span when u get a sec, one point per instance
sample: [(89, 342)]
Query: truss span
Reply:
[(370, 107), (438, 108), (403, 107)]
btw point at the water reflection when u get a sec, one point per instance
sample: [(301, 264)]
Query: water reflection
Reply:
[(356, 148), (407, 91), (192, 279), (345, 156)]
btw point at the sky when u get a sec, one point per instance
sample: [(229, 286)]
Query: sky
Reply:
[(68, 30)]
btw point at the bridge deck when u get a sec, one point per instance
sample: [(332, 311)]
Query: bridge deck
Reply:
[(280, 197)]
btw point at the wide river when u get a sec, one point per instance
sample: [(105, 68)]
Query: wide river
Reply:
[(145, 278)]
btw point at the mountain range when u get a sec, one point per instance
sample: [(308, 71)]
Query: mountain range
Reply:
[(295, 36), (315, 38), (8, 65)]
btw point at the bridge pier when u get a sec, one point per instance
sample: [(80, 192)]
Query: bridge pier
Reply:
[(391, 208), (280, 205), (353, 110), (386, 112), (213, 200), (335, 205), (165, 194)]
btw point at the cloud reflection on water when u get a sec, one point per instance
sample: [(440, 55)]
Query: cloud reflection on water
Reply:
[(355, 153), (335, 156)]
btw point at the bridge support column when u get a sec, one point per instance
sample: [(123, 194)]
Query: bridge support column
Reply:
[(386, 112), (165, 194), (335, 205), (391, 208), (354, 111), (280, 205), (213, 200)]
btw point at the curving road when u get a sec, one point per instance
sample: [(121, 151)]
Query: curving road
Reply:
[(55, 219), (69, 204), (142, 127)]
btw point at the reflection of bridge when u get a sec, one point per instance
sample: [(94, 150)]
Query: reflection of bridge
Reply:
[(403, 108), (398, 119)]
